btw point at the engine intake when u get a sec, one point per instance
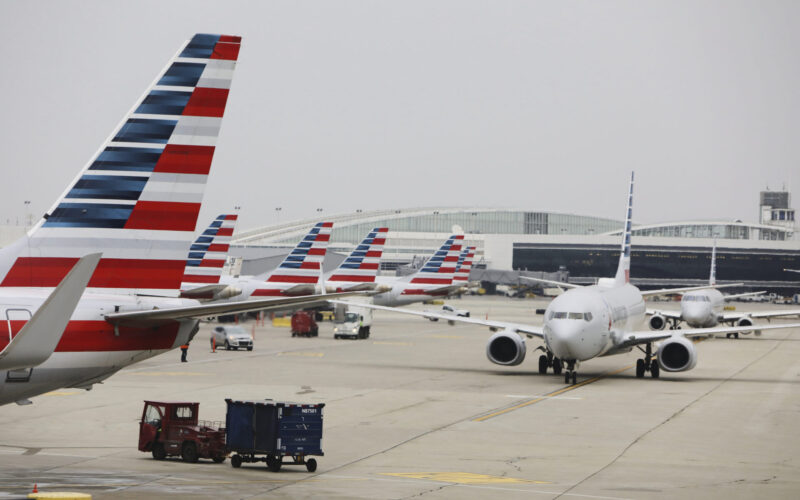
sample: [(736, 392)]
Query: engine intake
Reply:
[(747, 321), (506, 348), (657, 322), (676, 354)]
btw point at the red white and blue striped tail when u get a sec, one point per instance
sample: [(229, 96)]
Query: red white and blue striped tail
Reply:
[(464, 266), (208, 253), (362, 265), (440, 269), (138, 198), (300, 271)]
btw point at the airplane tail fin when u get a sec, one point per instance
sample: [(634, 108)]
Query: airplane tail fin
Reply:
[(138, 198), (299, 272), (712, 278), (440, 269), (624, 268), (464, 266), (363, 263), (208, 253)]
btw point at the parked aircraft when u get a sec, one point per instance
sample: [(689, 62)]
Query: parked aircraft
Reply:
[(434, 279), (360, 269), (598, 320), (207, 256), (136, 202), (704, 309)]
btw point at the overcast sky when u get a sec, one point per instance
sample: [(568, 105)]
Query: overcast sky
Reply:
[(374, 105)]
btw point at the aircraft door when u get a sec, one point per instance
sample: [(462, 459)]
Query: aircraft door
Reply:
[(15, 320)]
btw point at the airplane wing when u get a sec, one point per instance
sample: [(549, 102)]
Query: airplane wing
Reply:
[(666, 314), (761, 314), (154, 317), (552, 282), (748, 294), (667, 291), (643, 337), (529, 330), (37, 340)]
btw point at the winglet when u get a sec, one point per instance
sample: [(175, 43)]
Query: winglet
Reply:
[(37, 340), (624, 269)]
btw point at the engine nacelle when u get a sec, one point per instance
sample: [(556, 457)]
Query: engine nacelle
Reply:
[(747, 321), (676, 354), (227, 292), (506, 348), (657, 322)]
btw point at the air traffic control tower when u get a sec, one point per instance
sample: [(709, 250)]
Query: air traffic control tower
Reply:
[(774, 209)]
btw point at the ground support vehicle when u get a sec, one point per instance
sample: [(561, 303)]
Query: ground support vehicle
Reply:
[(277, 433), (304, 325), (172, 428), (351, 321)]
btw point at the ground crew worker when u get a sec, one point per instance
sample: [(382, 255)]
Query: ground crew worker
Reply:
[(184, 351)]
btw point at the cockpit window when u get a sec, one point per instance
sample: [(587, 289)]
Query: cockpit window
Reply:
[(575, 315), (570, 315), (587, 316), (560, 315)]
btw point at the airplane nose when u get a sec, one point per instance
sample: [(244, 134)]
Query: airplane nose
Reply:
[(694, 315), (569, 340)]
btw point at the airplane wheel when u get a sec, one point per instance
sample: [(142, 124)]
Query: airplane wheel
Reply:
[(543, 364), (654, 368), (574, 378), (557, 366), (639, 368), (566, 377), (736, 335)]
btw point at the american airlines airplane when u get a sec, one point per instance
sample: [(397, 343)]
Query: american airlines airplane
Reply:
[(202, 278), (433, 280), (358, 272), (136, 202), (598, 320), (705, 309)]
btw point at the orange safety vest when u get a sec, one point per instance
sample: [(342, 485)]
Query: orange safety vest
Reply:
[(185, 346)]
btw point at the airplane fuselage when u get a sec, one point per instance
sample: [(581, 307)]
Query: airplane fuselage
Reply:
[(587, 322), (702, 308), (91, 348)]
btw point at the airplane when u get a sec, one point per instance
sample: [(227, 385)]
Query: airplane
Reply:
[(704, 308), (434, 279), (207, 256), (297, 275), (464, 266), (360, 269), (136, 202), (586, 322)]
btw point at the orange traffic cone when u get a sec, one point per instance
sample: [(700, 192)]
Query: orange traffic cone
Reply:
[(213, 345), (35, 489)]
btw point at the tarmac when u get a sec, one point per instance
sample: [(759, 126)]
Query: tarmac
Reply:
[(417, 410)]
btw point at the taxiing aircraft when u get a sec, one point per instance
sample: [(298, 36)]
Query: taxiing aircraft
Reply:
[(704, 308), (136, 202), (598, 320)]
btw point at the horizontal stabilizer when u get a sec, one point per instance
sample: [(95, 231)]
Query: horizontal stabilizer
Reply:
[(37, 340), (560, 284)]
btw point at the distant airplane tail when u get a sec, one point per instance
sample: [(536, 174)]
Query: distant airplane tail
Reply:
[(138, 198), (440, 269), (712, 278), (209, 252), (624, 268), (363, 263), (300, 271), (464, 266)]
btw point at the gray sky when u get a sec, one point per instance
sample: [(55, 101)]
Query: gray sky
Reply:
[(368, 104)]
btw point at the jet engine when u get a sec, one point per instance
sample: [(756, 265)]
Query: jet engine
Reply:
[(227, 292), (747, 321), (657, 322), (506, 348), (676, 354)]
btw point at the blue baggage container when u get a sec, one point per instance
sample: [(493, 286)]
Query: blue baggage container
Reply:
[(275, 430)]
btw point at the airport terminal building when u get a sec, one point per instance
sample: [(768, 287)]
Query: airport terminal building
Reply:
[(586, 247)]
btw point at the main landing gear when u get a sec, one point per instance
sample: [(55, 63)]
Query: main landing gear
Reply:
[(547, 360), (648, 363)]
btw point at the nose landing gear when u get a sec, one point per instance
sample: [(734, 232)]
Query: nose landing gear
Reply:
[(571, 375), (547, 360), (648, 363)]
